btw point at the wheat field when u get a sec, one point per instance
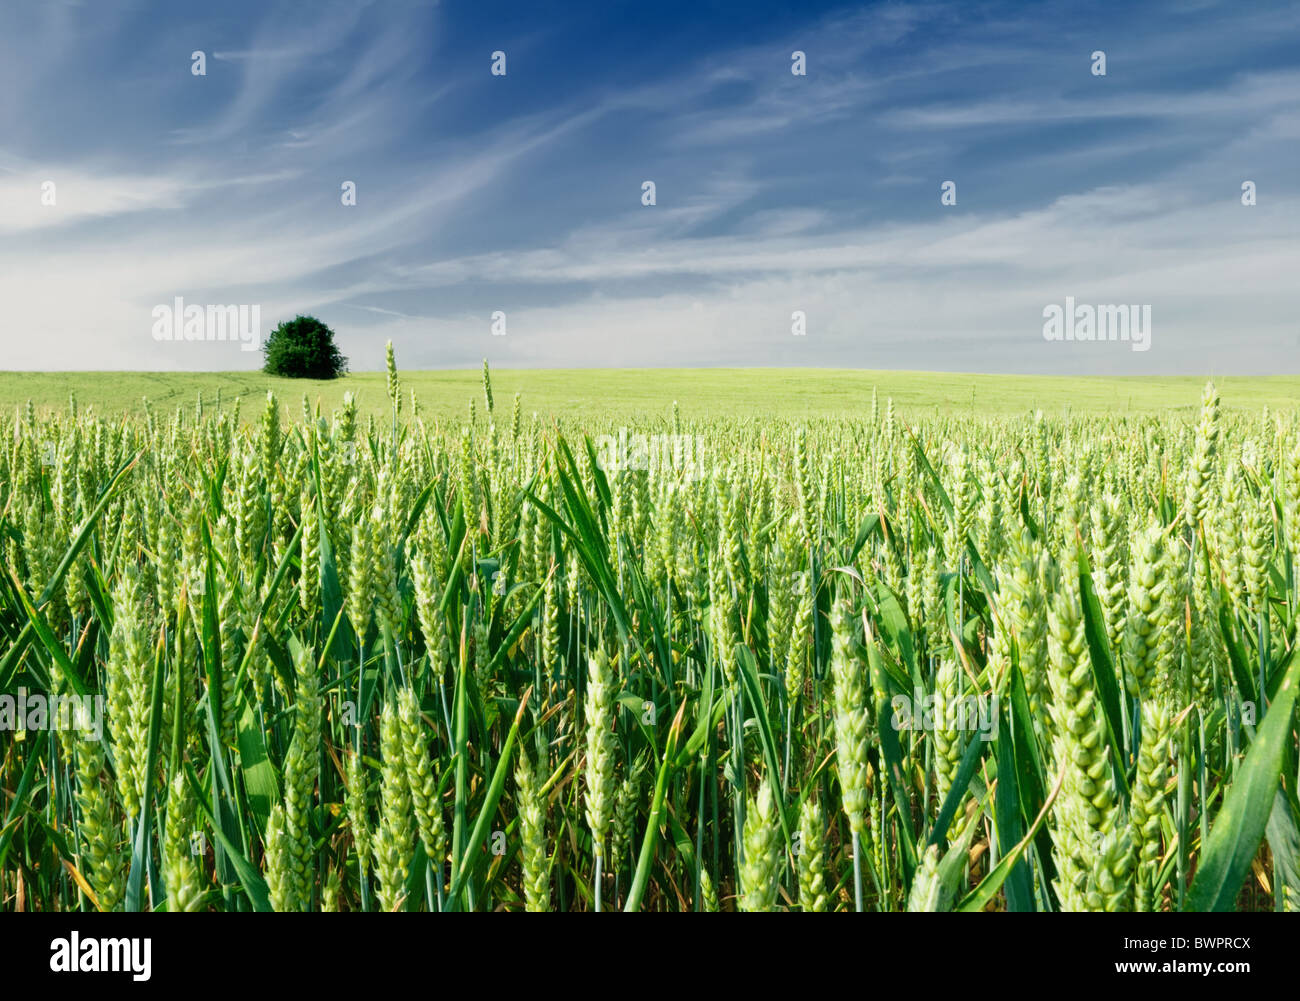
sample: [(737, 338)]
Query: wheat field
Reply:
[(305, 658)]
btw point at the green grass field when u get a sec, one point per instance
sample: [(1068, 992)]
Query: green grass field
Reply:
[(631, 393)]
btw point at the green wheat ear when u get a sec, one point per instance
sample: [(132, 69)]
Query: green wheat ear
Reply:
[(625, 807), (357, 807), (394, 387), (926, 894), (301, 770), (852, 718), (947, 739), (279, 876), (1200, 470), (708, 895), (1147, 801), (601, 750), (811, 860), (102, 837), (1087, 809), (426, 803), (760, 872), (331, 891), (180, 872), (532, 836), (394, 842)]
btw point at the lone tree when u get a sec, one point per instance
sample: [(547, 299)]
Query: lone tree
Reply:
[(303, 348)]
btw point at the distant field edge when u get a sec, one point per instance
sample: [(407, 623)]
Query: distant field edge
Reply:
[(611, 393)]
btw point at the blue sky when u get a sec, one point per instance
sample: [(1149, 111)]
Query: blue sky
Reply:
[(775, 193)]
